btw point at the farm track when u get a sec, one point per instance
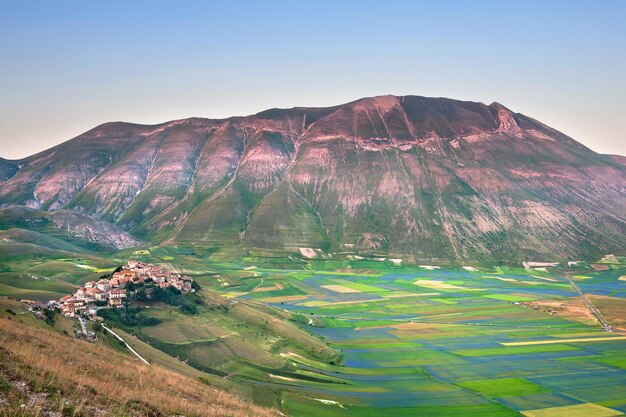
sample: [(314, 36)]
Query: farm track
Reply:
[(605, 326), (133, 351)]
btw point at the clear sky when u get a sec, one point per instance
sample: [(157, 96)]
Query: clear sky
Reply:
[(67, 66)]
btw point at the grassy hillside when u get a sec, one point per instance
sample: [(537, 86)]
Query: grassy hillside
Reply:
[(43, 371), (44, 277), (233, 338)]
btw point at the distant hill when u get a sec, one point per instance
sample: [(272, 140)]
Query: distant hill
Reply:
[(408, 176)]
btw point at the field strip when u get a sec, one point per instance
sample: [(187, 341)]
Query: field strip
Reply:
[(551, 341), (284, 378), (369, 300), (349, 274), (500, 278), (422, 294), (340, 289), (578, 410), (545, 278), (283, 298), (277, 286), (437, 285)]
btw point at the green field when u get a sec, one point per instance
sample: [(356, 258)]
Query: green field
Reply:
[(418, 342)]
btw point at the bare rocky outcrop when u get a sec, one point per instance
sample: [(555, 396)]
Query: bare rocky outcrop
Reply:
[(98, 232)]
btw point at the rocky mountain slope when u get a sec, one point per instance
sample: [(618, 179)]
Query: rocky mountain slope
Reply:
[(405, 176)]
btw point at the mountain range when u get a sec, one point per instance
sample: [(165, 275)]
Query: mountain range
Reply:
[(400, 176)]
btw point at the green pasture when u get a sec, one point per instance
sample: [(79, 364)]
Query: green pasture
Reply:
[(505, 387)]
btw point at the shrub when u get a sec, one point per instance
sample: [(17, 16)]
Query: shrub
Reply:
[(204, 380), (50, 316), (188, 308), (129, 317), (97, 327)]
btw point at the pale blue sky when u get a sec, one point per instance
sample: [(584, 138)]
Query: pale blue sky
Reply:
[(67, 66)]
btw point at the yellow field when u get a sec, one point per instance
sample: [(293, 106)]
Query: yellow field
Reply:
[(579, 410), (551, 341), (340, 289), (438, 285)]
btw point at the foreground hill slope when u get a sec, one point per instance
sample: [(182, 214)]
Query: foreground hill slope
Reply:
[(404, 176), (43, 372)]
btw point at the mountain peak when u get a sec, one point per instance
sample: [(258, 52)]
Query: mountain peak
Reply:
[(385, 101), (407, 175), (497, 105), (506, 120)]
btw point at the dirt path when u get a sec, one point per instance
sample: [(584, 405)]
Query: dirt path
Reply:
[(258, 285), (134, 352)]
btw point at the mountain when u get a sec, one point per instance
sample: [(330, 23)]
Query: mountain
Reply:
[(413, 177)]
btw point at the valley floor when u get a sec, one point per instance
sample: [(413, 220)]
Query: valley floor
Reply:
[(338, 338), (452, 342)]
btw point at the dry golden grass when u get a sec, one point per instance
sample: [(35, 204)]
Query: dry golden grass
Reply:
[(612, 308), (91, 377), (571, 308), (340, 289)]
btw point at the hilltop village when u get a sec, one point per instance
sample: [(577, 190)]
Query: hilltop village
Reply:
[(112, 291)]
